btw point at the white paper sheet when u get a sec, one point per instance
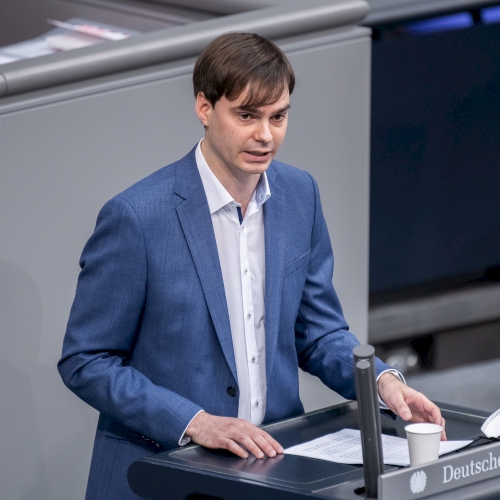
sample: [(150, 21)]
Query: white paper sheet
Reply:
[(345, 447), (7, 59), (91, 30), (29, 49), (72, 34), (71, 41)]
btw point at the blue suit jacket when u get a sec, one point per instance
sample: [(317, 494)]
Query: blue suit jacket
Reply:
[(148, 341)]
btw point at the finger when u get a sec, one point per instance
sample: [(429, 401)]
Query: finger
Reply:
[(430, 410), (277, 447), (249, 444), (230, 445), (394, 397), (443, 434), (442, 423), (263, 443), (401, 408), (433, 414), (259, 437)]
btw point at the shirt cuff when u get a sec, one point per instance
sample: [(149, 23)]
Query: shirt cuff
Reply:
[(184, 440), (398, 375)]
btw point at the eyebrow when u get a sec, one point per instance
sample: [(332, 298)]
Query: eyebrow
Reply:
[(251, 109)]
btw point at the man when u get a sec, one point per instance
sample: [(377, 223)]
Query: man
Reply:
[(207, 283)]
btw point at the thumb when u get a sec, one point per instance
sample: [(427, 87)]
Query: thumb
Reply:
[(403, 410)]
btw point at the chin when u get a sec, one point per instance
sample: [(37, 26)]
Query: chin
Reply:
[(257, 168)]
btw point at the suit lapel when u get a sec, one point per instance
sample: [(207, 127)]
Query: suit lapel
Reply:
[(194, 217), (275, 254)]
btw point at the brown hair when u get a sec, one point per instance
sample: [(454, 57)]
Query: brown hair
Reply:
[(236, 60)]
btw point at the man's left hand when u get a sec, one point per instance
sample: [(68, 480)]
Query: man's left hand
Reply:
[(408, 403)]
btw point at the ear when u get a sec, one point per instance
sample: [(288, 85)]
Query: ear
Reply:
[(203, 108)]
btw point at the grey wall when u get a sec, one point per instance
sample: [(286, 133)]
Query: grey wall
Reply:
[(65, 151)]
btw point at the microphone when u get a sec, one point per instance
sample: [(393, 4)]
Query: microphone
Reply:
[(369, 417)]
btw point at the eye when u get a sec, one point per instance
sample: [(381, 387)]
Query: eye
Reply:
[(245, 116), (279, 118)]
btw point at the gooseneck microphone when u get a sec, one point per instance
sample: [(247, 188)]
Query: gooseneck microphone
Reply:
[(369, 417)]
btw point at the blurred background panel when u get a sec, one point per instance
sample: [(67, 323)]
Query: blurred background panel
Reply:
[(434, 195)]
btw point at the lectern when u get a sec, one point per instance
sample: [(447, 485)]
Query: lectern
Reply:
[(195, 472)]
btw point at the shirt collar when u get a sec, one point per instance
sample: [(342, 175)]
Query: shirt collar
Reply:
[(217, 195)]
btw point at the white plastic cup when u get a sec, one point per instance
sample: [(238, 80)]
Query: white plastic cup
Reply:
[(423, 443)]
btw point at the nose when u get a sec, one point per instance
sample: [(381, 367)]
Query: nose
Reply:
[(262, 132)]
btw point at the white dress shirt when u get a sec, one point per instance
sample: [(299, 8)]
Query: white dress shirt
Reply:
[(242, 260)]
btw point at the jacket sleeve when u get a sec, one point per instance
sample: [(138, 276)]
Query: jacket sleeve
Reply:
[(323, 343), (103, 323)]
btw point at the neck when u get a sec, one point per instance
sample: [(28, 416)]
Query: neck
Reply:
[(242, 192), (240, 187)]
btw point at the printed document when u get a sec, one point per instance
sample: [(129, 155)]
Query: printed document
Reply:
[(344, 447)]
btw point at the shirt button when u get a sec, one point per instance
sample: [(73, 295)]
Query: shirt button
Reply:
[(253, 359), (245, 271), (256, 403), (232, 391), (249, 316)]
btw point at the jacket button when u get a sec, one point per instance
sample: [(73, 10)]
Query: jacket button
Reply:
[(232, 391)]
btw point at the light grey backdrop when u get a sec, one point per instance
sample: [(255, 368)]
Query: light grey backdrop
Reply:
[(65, 151)]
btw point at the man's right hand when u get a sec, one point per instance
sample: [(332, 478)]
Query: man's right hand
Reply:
[(229, 433)]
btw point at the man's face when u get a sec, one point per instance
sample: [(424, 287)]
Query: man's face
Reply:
[(242, 141)]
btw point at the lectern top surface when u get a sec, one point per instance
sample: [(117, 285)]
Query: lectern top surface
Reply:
[(301, 473)]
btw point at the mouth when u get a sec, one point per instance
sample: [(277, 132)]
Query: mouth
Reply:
[(258, 154)]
